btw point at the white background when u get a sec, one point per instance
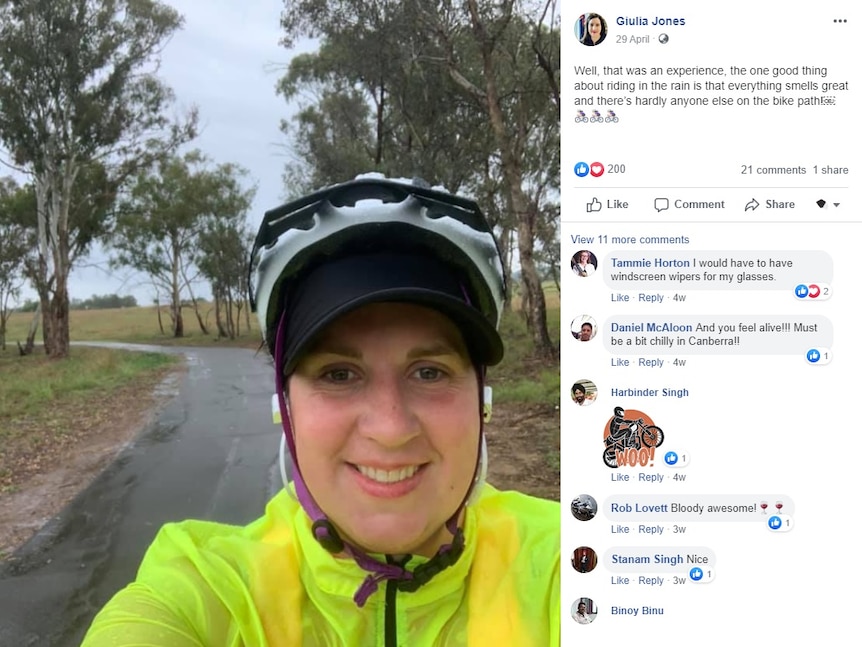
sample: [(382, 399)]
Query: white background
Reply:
[(753, 424)]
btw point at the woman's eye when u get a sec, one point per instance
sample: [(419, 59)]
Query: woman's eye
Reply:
[(338, 375), (429, 373)]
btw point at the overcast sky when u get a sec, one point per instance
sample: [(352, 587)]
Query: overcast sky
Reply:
[(226, 60)]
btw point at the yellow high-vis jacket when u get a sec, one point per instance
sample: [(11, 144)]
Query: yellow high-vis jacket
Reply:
[(271, 583)]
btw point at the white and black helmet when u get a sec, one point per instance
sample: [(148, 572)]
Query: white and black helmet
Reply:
[(371, 240)]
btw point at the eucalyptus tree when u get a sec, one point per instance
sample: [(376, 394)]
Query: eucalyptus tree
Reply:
[(223, 261), (15, 247), (160, 222), (371, 100), (516, 83), (79, 97), (464, 94)]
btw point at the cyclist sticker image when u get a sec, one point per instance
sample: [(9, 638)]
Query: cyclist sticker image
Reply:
[(631, 437)]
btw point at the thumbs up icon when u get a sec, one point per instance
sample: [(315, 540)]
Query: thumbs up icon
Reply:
[(595, 205)]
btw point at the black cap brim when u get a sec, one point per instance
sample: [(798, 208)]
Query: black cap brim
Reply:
[(342, 285)]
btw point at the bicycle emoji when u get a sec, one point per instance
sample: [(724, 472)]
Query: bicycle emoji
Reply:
[(630, 435)]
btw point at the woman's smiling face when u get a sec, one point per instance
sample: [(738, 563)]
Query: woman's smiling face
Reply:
[(595, 28), (385, 411)]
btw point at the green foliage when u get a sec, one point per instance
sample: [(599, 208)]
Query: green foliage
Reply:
[(522, 376), (543, 388), (81, 110), (223, 259), (463, 94), (40, 382), (376, 99), (15, 247), (174, 222), (14, 243), (74, 81)]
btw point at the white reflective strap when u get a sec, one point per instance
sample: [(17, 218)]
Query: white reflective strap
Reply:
[(276, 410)]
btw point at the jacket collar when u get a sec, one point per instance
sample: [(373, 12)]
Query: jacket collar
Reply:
[(325, 574)]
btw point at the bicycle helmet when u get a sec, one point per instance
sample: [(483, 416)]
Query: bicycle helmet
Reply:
[(373, 239), (376, 240)]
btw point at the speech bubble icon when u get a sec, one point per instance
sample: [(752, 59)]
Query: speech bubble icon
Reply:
[(661, 204)]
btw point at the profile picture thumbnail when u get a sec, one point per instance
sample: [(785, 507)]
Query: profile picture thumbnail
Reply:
[(584, 393), (584, 263), (584, 507), (584, 328), (584, 559), (584, 611), (591, 29)]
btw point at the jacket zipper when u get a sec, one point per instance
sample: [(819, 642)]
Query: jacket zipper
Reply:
[(390, 624), (390, 616)]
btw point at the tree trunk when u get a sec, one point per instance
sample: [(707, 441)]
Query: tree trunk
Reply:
[(53, 198), (526, 215), (217, 300), (505, 242), (378, 154), (188, 285), (27, 349), (218, 308), (197, 312), (555, 276), (159, 316), (57, 342), (47, 324), (231, 329), (239, 304), (534, 295), (176, 305), (201, 323), (177, 317)]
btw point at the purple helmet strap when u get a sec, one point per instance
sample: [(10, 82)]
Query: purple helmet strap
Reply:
[(326, 534), (302, 493)]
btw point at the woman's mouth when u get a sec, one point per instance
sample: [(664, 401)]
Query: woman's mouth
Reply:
[(387, 476)]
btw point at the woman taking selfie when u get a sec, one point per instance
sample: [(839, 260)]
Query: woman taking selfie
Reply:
[(379, 302)]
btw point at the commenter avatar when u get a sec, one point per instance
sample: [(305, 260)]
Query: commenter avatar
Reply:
[(584, 392), (584, 611), (583, 328), (584, 263)]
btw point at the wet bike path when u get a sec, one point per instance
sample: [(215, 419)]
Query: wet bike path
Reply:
[(211, 453)]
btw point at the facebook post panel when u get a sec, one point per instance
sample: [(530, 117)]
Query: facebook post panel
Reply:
[(710, 301)]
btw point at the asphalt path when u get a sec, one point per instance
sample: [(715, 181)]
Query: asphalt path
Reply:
[(210, 454)]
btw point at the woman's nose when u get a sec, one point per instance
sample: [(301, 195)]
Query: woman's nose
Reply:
[(388, 417)]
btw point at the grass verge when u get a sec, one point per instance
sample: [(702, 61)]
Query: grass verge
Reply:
[(522, 377), (45, 403), (524, 433), (140, 326)]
